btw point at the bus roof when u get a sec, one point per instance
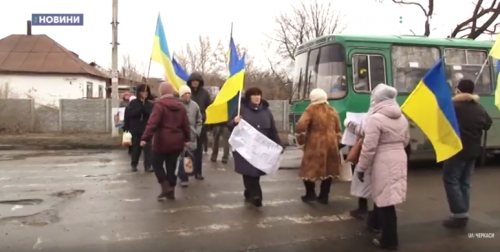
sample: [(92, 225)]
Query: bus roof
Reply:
[(403, 39)]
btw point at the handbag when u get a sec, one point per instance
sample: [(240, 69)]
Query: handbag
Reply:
[(345, 172), (355, 151)]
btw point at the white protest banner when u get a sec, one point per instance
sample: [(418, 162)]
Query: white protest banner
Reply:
[(256, 148)]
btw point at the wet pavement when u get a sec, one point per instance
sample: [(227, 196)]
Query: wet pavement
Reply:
[(89, 201)]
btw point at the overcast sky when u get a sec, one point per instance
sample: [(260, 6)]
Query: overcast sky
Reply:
[(185, 20)]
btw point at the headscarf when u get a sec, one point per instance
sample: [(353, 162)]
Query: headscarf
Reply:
[(318, 96), (380, 93)]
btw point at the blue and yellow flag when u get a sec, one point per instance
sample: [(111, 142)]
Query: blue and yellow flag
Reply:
[(431, 108), (225, 105), (161, 54), (495, 53), (180, 74)]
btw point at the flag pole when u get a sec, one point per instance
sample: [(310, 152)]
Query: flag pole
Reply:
[(149, 69), (482, 68), (239, 94)]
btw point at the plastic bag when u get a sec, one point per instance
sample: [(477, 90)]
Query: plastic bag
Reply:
[(361, 189), (345, 173), (127, 139), (188, 162)]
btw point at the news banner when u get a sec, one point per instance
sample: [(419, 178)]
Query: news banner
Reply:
[(481, 235)]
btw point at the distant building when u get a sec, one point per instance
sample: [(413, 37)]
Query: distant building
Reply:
[(126, 81), (35, 66)]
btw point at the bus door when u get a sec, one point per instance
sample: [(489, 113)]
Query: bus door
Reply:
[(367, 67)]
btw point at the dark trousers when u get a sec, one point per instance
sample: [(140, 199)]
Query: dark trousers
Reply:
[(137, 150), (252, 187), (457, 175), (385, 220), (324, 190), (204, 138), (167, 173), (218, 133), (198, 157), (362, 204)]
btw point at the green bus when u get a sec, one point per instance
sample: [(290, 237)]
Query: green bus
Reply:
[(348, 67)]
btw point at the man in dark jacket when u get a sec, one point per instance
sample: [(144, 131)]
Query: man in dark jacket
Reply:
[(169, 126), (473, 121), (202, 98), (136, 117)]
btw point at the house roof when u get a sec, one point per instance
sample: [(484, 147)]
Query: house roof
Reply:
[(39, 54)]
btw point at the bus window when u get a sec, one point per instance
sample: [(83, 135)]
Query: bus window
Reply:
[(466, 64), (410, 64), (299, 76), (326, 70), (368, 72)]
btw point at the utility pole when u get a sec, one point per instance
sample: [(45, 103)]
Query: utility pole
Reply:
[(114, 64)]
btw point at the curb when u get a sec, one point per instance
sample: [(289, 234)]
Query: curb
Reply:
[(7, 147)]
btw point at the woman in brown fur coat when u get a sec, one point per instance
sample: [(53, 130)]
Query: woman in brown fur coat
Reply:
[(318, 130)]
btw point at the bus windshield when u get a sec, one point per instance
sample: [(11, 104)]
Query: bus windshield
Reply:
[(324, 68)]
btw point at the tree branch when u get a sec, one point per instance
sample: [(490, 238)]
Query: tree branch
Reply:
[(476, 32)]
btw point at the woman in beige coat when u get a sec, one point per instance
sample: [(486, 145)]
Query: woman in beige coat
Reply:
[(383, 154)]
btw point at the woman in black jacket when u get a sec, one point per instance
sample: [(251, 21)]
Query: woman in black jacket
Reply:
[(255, 111)]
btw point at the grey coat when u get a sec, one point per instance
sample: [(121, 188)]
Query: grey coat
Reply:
[(261, 118), (195, 121)]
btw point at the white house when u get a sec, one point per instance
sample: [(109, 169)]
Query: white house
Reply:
[(37, 67)]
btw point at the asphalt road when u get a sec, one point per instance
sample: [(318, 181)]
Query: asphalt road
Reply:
[(89, 201)]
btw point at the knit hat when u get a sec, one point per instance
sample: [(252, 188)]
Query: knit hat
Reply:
[(466, 86), (183, 90), (318, 96)]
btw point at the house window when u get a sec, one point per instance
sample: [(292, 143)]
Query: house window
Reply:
[(90, 89), (101, 91)]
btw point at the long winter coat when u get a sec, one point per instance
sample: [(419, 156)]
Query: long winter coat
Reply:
[(261, 118), (319, 131), (383, 153)]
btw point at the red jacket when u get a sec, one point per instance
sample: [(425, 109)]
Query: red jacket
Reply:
[(168, 125)]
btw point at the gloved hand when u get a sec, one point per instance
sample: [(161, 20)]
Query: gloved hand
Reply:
[(361, 176)]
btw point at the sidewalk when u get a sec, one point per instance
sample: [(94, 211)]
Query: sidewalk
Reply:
[(291, 157), (59, 141)]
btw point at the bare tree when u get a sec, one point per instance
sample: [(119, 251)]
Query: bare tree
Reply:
[(305, 22), (482, 21), (428, 12), (132, 71)]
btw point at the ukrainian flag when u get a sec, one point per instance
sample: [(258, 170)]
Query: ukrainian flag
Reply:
[(180, 74), (161, 54), (225, 105), (431, 108), (495, 53)]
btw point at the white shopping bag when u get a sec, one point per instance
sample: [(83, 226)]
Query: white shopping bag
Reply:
[(361, 189), (127, 139), (345, 173)]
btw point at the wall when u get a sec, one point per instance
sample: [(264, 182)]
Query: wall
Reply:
[(80, 115), (48, 89)]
